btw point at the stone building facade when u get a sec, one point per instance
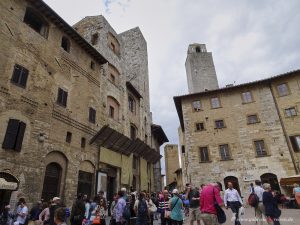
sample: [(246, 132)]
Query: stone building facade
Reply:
[(73, 119), (241, 133), (171, 164)]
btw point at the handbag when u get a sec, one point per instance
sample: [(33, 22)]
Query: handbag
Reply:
[(97, 220), (220, 212)]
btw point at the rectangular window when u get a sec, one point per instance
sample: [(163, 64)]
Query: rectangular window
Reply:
[(295, 140), (34, 20), (252, 119), (282, 89), (215, 103), (14, 135), (93, 65), (92, 115), (200, 126), (111, 112), (260, 148), (224, 152), (62, 97), (247, 97), (94, 39), (182, 149), (219, 124), (197, 105), (112, 78), (83, 140), (20, 76), (204, 157), (291, 112), (135, 162), (69, 137), (131, 104)]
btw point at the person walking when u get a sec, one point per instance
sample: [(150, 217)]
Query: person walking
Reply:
[(259, 209), (193, 196), (22, 212), (78, 210), (60, 216), (121, 204), (271, 208), (6, 217), (176, 206), (45, 214), (209, 195), (163, 207), (232, 200), (296, 193), (113, 210), (55, 205), (141, 210), (102, 211)]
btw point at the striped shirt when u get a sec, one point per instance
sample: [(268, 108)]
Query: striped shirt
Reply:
[(163, 204)]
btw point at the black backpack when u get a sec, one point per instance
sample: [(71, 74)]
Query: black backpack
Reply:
[(142, 208)]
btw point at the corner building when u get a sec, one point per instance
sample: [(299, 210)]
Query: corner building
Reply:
[(242, 133), (73, 118)]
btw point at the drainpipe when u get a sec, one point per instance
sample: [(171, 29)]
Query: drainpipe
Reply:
[(296, 166)]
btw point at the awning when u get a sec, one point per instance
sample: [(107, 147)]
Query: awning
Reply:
[(8, 181), (115, 141), (289, 181)]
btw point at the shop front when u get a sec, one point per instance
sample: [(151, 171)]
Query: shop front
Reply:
[(8, 184)]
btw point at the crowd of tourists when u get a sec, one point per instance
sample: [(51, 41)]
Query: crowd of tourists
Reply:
[(142, 208)]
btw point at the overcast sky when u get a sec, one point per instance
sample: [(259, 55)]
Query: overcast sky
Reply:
[(249, 40)]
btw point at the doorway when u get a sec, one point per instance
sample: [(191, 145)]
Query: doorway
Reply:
[(272, 180), (234, 181), (51, 186)]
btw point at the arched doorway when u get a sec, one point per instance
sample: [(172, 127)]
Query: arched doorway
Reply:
[(234, 181), (271, 179), (52, 180), (85, 178), (8, 184)]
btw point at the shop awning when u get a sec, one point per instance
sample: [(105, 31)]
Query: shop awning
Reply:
[(111, 139), (289, 181)]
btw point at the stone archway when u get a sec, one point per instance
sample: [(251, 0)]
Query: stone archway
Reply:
[(271, 179), (54, 176)]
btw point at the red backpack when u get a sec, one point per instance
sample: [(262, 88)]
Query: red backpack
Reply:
[(253, 200)]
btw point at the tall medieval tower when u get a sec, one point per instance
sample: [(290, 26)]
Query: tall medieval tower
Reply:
[(200, 69)]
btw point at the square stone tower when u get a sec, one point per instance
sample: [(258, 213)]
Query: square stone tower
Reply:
[(200, 69)]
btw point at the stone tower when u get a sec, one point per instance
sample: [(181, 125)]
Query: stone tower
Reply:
[(200, 69)]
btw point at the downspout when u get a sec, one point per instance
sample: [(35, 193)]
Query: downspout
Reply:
[(296, 166)]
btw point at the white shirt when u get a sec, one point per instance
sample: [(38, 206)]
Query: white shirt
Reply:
[(232, 195), (258, 190), (24, 211)]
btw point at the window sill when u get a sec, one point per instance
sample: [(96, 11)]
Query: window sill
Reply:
[(291, 116), (261, 156), (230, 159), (219, 128), (61, 105), (253, 123), (18, 85), (199, 110), (216, 107), (200, 130), (205, 161), (245, 103), (279, 96)]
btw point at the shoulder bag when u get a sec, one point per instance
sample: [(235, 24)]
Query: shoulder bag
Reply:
[(220, 212)]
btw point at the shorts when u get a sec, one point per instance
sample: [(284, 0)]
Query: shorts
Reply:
[(194, 214), (209, 219)]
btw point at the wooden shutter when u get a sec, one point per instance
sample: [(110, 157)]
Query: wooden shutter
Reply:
[(24, 76), (11, 134), (60, 96), (21, 131), (65, 98), (16, 74), (92, 115)]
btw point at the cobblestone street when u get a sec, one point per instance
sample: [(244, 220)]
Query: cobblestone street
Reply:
[(288, 217)]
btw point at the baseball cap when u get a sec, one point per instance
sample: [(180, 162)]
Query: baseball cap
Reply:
[(55, 198)]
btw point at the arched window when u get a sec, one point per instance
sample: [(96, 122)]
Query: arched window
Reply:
[(114, 74), (52, 181), (131, 104), (198, 49), (65, 44), (133, 132), (113, 108), (113, 43)]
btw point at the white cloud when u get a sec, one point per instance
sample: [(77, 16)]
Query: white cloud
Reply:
[(249, 40)]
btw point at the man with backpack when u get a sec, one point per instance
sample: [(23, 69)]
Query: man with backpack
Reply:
[(259, 208), (141, 210)]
